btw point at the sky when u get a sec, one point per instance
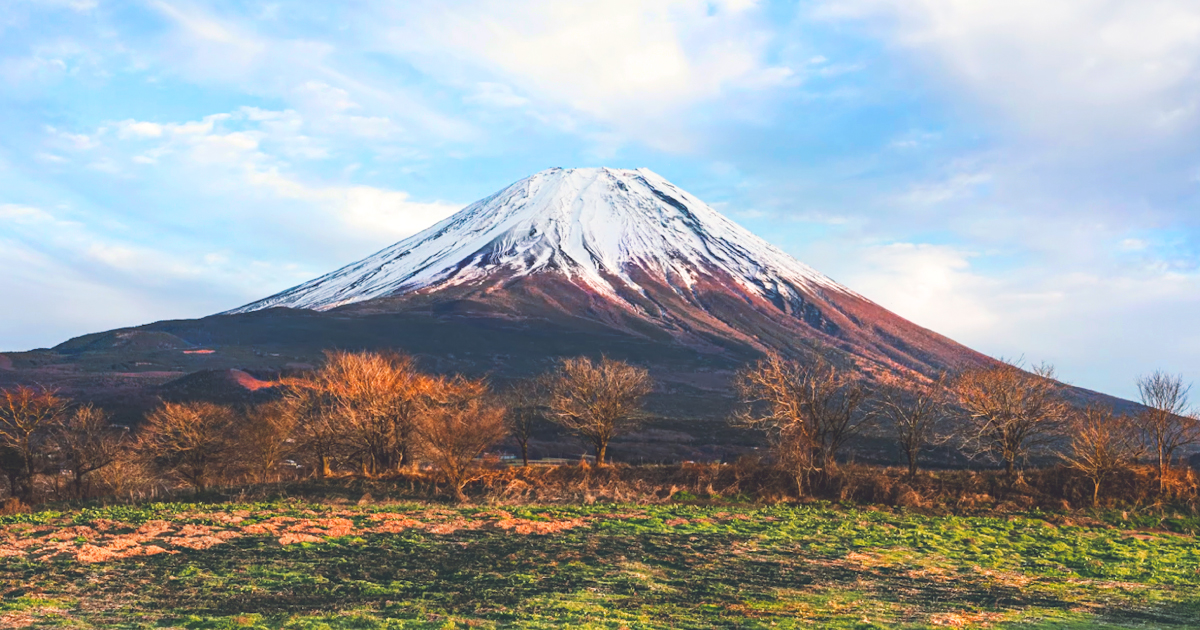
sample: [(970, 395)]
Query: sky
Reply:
[(1022, 176)]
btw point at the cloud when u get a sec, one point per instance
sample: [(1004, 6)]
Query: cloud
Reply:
[(956, 186), (364, 209), (230, 50), (1101, 326), (625, 63), (250, 153), (1069, 69), (495, 95), (135, 129)]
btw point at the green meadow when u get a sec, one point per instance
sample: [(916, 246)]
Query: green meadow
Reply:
[(293, 564)]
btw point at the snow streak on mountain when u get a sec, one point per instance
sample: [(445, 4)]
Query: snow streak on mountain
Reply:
[(608, 230)]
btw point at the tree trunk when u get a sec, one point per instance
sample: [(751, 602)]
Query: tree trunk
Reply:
[(1096, 492), (1162, 471), (601, 447), (525, 453)]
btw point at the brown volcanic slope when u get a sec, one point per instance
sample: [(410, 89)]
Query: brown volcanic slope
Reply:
[(585, 261)]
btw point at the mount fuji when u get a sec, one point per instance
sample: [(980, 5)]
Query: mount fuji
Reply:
[(566, 262), (628, 250)]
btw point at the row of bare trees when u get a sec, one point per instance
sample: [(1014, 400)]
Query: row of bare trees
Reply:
[(810, 409), (378, 414), (368, 413), (41, 432)]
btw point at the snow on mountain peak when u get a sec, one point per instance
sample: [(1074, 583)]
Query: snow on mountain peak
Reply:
[(593, 225)]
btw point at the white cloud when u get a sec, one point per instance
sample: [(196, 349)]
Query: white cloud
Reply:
[(1076, 69), (1102, 326), (136, 129), (379, 212), (210, 48), (1133, 245), (495, 95), (957, 186), (244, 155), (626, 63), (24, 214)]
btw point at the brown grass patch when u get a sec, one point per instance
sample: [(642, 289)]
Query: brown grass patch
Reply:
[(965, 619)]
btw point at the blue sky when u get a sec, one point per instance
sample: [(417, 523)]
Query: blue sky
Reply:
[(1021, 176)]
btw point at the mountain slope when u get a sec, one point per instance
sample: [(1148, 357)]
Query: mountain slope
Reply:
[(628, 249)]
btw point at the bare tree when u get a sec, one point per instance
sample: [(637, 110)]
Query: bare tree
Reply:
[(377, 400), (189, 441), (1102, 445), (265, 438), (27, 415), (1010, 413), (915, 409), (808, 410), (461, 424), (362, 406), (1166, 424), (598, 400), (525, 402), (86, 441), (310, 410)]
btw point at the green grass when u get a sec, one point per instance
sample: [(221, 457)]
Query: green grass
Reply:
[(675, 566)]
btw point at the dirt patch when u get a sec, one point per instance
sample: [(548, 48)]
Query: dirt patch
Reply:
[(965, 619)]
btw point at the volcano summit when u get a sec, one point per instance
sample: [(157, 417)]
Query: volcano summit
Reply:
[(629, 250)]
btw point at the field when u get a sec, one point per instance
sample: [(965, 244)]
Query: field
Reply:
[(295, 564)]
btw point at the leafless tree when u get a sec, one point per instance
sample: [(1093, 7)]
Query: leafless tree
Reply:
[(458, 427), (914, 409), (1009, 413), (525, 403), (189, 441), (808, 410), (598, 400), (265, 438), (1167, 423), (27, 415), (311, 412), (1102, 445), (364, 405), (86, 441)]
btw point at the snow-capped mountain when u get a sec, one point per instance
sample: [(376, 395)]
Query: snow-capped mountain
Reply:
[(631, 251), (591, 225)]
